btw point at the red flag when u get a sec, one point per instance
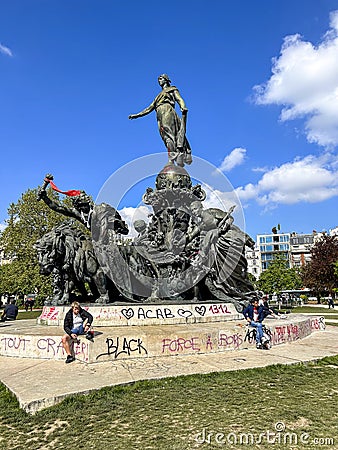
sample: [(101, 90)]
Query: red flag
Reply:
[(71, 193)]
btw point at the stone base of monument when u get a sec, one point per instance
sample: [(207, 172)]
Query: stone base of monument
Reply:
[(27, 339), (116, 315)]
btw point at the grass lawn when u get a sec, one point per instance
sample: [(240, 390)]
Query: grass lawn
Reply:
[(317, 310), (172, 413), (28, 315)]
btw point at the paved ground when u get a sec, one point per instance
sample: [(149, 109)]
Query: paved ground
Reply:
[(41, 383)]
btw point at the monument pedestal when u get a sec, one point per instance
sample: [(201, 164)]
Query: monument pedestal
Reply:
[(117, 315), (26, 339)]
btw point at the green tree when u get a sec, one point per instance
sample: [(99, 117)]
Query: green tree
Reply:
[(252, 279), (320, 274), (279, 277), (28, 220), (336, 273)]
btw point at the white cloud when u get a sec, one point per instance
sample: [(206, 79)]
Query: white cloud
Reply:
[(5, 50), (259, 169), (235, 158), (305, 82), (129, 214), (2, 226), (218, 199), (311, 179)]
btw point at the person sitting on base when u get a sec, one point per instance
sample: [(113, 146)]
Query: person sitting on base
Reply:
[(74, 326), (254, 315), (10, 312), (268, 311)]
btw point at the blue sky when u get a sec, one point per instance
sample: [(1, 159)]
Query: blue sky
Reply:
[(260, 80)]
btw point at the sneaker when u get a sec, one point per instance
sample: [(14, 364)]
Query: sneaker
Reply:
[(70, 359), (259, 346), (90, 336)]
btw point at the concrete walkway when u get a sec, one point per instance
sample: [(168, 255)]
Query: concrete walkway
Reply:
[(41, 383)]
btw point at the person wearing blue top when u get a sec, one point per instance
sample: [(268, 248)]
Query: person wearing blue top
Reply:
[(10, 312), (254, 315)]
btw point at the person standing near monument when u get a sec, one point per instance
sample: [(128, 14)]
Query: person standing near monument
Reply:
[(77, 321), (171, 127)]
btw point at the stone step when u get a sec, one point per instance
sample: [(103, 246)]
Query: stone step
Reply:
[(26, 339)]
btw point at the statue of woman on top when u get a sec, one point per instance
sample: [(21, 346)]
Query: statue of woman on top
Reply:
[(171, 126)]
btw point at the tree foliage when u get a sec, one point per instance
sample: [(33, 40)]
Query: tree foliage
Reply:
[(279, 277), (320, 274), (28, 220)]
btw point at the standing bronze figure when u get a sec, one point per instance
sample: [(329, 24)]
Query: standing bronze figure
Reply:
[(172, 128)]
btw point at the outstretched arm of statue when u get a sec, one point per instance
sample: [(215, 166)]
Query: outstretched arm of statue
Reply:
[(42, 190), (227, 221), (42, 195), (56, 206), (146, 111)]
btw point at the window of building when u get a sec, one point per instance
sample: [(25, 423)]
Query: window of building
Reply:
[(284, 247), (267, 257)]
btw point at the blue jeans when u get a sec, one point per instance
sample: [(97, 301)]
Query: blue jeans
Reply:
[(259, 330), (79, 330)]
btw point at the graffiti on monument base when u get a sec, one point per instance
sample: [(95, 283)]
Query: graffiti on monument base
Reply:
[(159, 312), (44, 347), (142, 313), (318, 323), (124, 346), (208, 343), (49, 313), (121, 347)]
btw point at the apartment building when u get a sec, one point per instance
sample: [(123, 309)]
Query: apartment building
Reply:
[(270, 245), (294, 247), (300, 248), (253, 258)]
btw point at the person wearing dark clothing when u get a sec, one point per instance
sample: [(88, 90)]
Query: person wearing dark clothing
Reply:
[(77, 321), (10, 312), (268, 311), (29, 303), (330, 302), (254, 315)]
